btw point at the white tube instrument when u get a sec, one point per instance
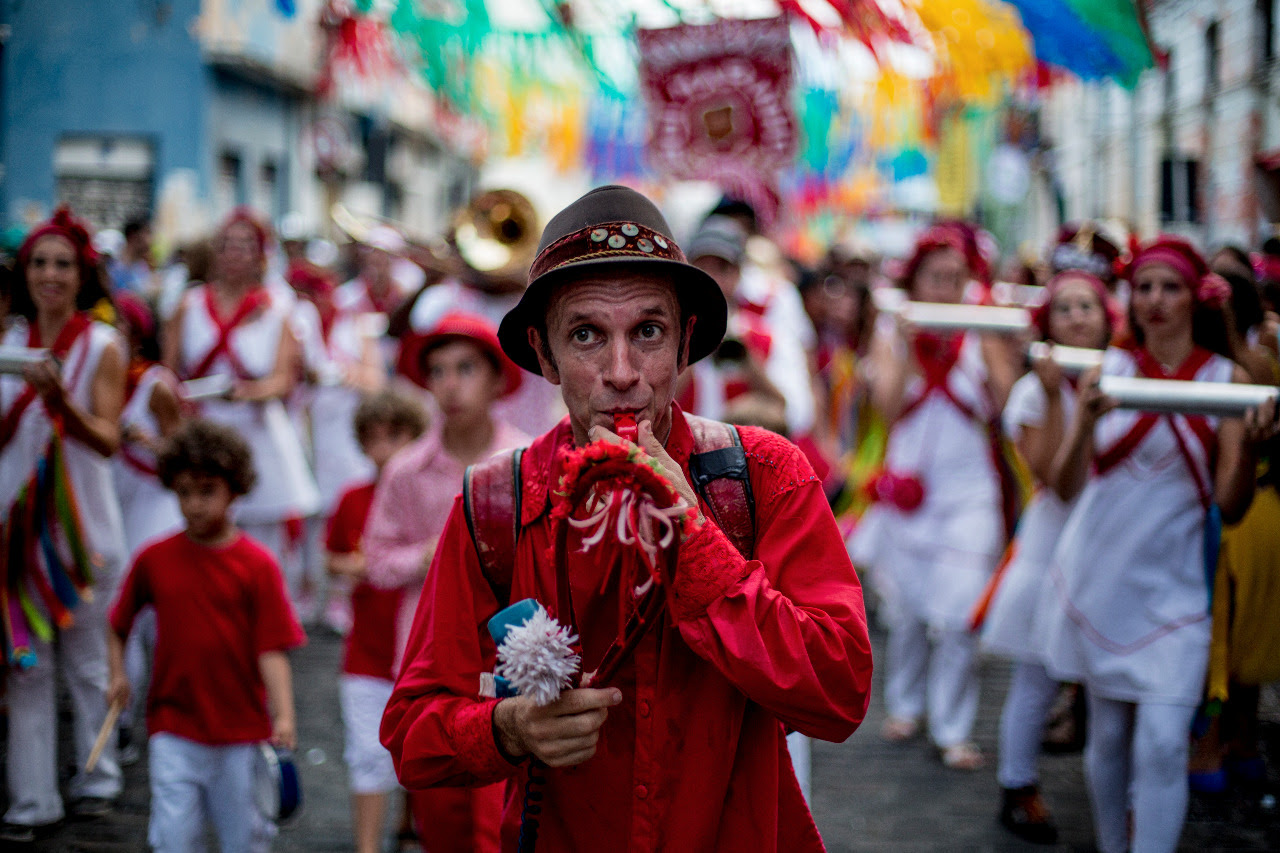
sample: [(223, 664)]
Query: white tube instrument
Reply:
[(14, 359), (214, 387), (1172, 396), (941, 317), (1072, 360)]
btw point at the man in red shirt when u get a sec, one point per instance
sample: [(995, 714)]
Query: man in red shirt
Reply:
[(685, 748), (221, 681)]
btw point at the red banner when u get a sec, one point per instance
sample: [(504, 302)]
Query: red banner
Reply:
[(719, 99)]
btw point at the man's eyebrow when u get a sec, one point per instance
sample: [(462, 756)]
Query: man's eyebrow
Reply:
[(579, 317)]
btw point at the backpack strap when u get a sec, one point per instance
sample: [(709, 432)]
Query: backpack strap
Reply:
[(491, 504), (718, 467)]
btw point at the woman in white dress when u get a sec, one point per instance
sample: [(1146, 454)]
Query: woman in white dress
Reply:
[(235, 327), (152, 412), (937, 526), (356, 363), (59, 426), (1129, 569), (1077, 312)]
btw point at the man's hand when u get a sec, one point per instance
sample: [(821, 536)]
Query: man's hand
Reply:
[(650, 444), (562, 734)]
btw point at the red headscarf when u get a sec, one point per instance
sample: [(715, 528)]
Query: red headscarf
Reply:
[(136, 313), (246, 215), (936, 239), (1040, 317), (62, 224), (1207, 287)]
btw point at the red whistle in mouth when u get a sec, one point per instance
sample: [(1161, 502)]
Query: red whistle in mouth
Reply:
[(624, 424)]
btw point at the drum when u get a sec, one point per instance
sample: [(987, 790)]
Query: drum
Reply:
[(277, 787)]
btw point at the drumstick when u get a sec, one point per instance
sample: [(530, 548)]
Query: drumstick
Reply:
[(108, 726)]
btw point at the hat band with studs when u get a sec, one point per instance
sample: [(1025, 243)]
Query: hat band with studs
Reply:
[(607, 240)]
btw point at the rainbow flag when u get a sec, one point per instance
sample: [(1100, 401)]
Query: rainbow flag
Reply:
[(1093, 39)]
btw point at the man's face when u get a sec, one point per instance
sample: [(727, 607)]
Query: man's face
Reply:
[(615, 343), (726, 273)]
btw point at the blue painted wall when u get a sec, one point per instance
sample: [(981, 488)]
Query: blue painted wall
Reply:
[(91, 67)]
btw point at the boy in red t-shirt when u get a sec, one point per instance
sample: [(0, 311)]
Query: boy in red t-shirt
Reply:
[(221, 682), (384, 423)]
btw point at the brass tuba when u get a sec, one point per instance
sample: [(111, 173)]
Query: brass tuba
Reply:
[(433, 254), (497, 236)]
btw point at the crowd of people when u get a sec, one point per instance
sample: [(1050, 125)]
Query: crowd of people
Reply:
[(216, 453)]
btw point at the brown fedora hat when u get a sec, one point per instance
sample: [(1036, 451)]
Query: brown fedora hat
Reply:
[(618, 226)]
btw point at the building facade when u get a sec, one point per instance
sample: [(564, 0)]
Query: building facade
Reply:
[(183, 109), (1194, 148)]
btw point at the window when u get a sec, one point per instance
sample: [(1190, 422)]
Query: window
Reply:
[(267, 199), (1265, 22), (229, 190), (1212, 59), (1180, 191), (106, 179)]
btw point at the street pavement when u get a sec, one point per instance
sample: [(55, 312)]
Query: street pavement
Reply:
[(868, 795)]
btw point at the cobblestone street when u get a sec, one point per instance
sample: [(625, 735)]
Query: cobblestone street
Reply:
[(868, 795)]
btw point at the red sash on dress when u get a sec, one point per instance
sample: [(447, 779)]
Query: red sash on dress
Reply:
[(253, 301), (1150, 368), (937, 357), (67, 338)]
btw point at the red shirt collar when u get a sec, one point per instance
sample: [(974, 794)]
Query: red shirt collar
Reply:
[(540, 466)]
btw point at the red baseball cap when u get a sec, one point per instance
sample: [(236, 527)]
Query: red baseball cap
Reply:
[(456, 324)]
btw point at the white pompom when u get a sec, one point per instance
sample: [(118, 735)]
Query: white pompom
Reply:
[(538, 658)]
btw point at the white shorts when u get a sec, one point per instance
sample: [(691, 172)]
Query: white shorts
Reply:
[(192, 783), (369, 765)]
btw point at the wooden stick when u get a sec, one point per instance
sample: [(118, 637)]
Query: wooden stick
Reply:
[(108, 726)]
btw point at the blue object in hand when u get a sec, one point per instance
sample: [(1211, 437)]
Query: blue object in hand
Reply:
[(511, 616), (503, 621)]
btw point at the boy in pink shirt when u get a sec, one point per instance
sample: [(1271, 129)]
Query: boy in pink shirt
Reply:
[(461, 363), (385, 423), (221, 682)]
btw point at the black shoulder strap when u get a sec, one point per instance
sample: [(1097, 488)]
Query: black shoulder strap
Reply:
[(718, 467)]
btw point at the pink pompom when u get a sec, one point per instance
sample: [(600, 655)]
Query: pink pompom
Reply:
[(1213, 291)]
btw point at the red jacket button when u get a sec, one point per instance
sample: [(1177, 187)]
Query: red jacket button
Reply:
[(641, 792), (644, 708)]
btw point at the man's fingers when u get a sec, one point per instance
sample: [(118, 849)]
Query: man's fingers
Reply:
[(585, 699), (571, 759), (596, 433)]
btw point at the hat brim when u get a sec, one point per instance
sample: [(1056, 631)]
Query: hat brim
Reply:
[(697, 292), (414, 346)]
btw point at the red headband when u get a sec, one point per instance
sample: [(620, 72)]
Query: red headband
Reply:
[(245, 215), (1040, 317), (933, 240), (61, 224), (135, 312), (1207, 287)]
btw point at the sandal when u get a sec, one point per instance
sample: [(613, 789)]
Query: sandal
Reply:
[(962, 756), (899, 729), (1024, 813)]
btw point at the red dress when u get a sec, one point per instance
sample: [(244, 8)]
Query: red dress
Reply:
[(695, 757)]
